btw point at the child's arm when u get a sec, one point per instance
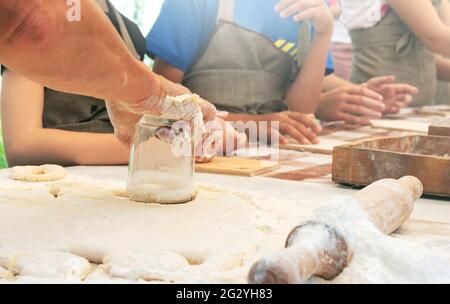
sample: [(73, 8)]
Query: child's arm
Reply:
[(28, 143), (444, 12), (304, 94), (425, 23), (335, 8)]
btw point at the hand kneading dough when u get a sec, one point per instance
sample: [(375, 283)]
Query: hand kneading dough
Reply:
[(45, 173)]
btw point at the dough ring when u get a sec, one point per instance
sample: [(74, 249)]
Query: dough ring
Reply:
[(45, 173)]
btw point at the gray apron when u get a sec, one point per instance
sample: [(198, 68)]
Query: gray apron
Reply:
[(241, 71), (73, 112), (390, 48)]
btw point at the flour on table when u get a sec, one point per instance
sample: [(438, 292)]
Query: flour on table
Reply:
[(378, 258), (80, 229)]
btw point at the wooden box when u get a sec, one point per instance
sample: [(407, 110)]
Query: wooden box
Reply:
[(426, 157)]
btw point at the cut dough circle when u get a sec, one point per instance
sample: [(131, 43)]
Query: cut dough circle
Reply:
[(45, 173)]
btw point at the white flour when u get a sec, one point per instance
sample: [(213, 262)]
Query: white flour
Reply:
[(378, 258)]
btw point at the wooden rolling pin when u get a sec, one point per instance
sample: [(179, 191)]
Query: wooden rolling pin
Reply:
[(317, 249)]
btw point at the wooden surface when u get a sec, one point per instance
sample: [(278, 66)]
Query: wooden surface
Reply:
[(344, 135), (401, 125), (425, 157), (238, 166), (441, 128), (443, 110)]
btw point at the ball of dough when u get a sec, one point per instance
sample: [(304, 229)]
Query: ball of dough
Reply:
[(45, 173)]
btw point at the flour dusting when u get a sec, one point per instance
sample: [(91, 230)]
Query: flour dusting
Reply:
[(378, 258)]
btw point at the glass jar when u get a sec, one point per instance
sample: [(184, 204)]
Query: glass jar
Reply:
[(161, 166)]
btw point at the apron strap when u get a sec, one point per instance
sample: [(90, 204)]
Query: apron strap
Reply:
[(226, 10), (109, 8), (103, 5), (124, 31)]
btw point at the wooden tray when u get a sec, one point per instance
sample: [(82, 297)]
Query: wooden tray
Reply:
[(237, 166), (426, 157), (441, 128)]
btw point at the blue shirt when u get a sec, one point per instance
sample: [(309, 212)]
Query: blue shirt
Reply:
[(184, 28)]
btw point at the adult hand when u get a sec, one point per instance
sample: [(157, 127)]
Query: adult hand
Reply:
[(396, 96), (315, 10), (124, 116), (301, 127), (352, 104)]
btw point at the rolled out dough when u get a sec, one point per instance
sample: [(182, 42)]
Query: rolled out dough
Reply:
[(55, 231)]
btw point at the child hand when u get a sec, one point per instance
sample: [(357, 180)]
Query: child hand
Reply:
[(301, 127), (315, 10), (396, 96), (352, 104)]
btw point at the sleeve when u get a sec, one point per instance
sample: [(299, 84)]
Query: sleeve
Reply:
[(181, 30), (330, 66)]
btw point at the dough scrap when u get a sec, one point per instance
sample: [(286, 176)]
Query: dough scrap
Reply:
[(45, 173), (50, 265), (151, 266)]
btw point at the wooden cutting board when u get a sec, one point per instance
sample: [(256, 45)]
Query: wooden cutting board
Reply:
[(330, 141), (326, 146), (238, 166), (401, 125)]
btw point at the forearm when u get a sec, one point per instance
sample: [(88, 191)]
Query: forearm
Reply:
[(425, 23), (304, 94), (443, 68), (50, 146), (444, 12), (86, 57)]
